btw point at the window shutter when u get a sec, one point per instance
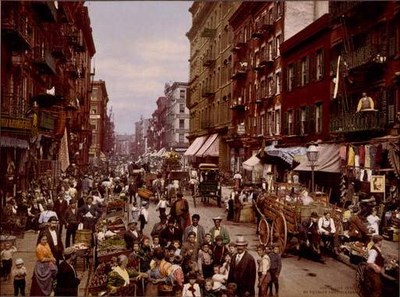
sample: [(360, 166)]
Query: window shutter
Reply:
[(311, 120), (285, 130), (298, 74), (307, 70), (296, 123), (313, 68)]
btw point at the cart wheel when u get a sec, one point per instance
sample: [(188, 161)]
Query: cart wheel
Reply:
[(264, 232), (279, 231)]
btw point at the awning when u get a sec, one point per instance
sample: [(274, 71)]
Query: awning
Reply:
[(195, 146), (13, 142), (206, 146), (328, 159), (160, 152), (253, 163), (287, 154)]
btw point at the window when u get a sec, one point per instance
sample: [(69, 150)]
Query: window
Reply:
[(181, 138), (319, 65), (182, 94), (278, 41), (181, 124), (304, 71), (290, 77), (303, 121), (93, 110), (278, 83), (290, 122), (318, 118), (269, 53), (270, 123), (181, 108), (270, 86), (271, 16), (278, 9)]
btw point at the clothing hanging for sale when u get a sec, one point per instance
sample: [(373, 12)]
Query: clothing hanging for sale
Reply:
[(350, 156)]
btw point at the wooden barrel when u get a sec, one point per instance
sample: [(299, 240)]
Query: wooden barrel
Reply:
[(84, 236)]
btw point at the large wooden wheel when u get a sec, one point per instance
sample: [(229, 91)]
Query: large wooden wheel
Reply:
[(264, 232), (279, 231)]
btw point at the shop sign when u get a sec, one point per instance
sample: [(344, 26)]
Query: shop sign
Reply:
[(241, 130), (377, 184), (46, 121), (15, 123)]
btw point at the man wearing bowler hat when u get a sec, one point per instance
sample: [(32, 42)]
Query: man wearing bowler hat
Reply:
[(131, 235), (53, 238), (67, 278), (219, 230), (243, 269), (159, 226)]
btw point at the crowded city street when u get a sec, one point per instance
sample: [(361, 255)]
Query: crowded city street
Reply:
[(200, 148), (298, 276)]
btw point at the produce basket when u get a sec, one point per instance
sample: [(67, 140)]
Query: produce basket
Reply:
[(145, 193)]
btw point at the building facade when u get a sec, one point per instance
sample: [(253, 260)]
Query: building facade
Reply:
[(177, 117), (98, 119), (209, 81), (45, 86)]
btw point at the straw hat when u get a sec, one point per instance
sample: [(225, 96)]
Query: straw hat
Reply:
[(240, 241)]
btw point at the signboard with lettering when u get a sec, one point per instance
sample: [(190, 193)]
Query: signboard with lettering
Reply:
[(12, 123), (47, 121)]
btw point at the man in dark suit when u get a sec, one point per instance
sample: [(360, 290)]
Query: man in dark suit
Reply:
[(171, 233), (53, 238), (131, 235), (89, 214), (196, 228), (72, 222), (67, 278), (60, 207), (242, 270)]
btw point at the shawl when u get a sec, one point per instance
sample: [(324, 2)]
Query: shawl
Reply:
[(123, 273), (43, 251), (44, 273)]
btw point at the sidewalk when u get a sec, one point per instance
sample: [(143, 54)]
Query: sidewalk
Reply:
[(26, 250)]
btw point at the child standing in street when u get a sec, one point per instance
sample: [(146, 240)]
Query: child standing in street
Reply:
[(19, 274), (6, 259), (162, 205), (275, 268)]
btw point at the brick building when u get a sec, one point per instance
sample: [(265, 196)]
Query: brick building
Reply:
[(45, 86)]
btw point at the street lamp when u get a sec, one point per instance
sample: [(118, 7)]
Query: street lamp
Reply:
[(312, 156)]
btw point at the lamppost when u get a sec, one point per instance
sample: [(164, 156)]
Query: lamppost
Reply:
[(312, 156)]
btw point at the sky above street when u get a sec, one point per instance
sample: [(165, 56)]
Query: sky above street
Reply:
[(140, 45)]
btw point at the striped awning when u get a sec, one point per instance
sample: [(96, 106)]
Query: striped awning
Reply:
[(13, 142)]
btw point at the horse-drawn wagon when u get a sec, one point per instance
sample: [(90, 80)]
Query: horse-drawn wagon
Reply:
[(283, 212)]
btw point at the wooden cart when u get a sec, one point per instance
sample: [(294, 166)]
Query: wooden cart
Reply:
[(282, 212)]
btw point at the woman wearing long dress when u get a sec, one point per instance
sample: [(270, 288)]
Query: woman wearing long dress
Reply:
[(45, 269)]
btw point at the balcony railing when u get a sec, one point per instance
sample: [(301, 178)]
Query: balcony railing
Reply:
[(238, 104), (366, 56), (357, 122), (16, 29), (238, 43), (240, 69), (262, 26), (208, 32), (75, 38), (44, 60), (209, 59), (59, 49), (46, 11), (207, 91), (13, 105)]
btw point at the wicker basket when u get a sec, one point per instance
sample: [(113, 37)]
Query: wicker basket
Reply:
[(145, 193)]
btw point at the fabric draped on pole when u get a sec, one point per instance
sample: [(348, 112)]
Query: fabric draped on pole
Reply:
[(253, 163), (63, 154), (328, 159), (195, 146), (287, 154)]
